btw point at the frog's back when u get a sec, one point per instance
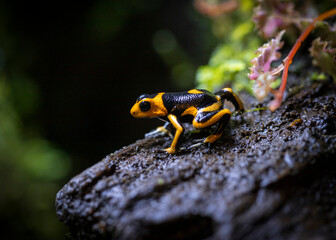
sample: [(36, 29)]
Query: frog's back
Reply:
[(178, 102)]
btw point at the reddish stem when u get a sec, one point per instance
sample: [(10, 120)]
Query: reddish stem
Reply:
[(288, 60)]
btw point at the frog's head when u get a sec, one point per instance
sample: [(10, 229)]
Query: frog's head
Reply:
[(149, 106)]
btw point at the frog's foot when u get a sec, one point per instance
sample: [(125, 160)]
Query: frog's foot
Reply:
[(195, 145), (170, 150), (164, 131), (160, 131), (211, 138)]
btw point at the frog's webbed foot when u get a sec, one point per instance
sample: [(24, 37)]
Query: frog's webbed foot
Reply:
[(212, 138), (170, 150), (164, 131), (157, 131), (198, 143), (195, 145), (161, 131)]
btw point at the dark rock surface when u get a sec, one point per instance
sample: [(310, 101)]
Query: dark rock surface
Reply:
[(271, 176)]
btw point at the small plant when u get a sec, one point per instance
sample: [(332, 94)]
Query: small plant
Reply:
[(233, 26), (274, 16)]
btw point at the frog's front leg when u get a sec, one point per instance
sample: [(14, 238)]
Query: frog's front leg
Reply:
[(179, 130), (206, 119)]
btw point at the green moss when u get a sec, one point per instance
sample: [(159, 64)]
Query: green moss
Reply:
[(229, 63)]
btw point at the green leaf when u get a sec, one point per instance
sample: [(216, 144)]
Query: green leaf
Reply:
[(324, 56)]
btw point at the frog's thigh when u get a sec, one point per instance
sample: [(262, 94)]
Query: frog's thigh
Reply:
[(207, 119), (220, 129)]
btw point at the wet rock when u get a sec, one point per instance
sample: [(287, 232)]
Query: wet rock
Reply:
[(271, 176)]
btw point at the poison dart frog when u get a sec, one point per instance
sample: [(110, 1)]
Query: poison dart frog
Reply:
[(199, 107)]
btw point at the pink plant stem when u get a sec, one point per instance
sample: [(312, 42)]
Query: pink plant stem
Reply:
[(288, 60)]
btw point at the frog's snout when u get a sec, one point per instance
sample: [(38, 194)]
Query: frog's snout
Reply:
[(134, 111)]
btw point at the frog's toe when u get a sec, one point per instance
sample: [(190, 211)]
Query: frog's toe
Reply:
[(164, 131), (211, 138), (170, 150), (195, 145)]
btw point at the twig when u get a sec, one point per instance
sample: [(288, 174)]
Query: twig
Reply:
[(275, 104)]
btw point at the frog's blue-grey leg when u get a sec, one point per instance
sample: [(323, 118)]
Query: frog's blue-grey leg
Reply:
[(162, 130)]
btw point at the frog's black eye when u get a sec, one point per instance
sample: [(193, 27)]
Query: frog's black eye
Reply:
[(144, 106)]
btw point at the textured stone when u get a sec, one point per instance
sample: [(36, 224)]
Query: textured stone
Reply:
[(271, 176)]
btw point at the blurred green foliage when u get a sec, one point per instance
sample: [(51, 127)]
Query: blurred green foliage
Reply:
[(31, 168), (108, 17), (181, 67), (236, 39), (229, 63)]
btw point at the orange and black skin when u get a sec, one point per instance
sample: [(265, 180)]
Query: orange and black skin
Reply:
[(199, 107)]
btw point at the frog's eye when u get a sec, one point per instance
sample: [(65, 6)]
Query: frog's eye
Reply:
[(144, 106)]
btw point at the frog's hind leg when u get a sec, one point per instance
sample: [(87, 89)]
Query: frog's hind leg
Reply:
[(220, 129), (207, 119), (228, 94)]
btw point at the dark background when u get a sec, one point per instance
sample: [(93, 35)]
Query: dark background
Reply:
[(73, 70), (92, 59)]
